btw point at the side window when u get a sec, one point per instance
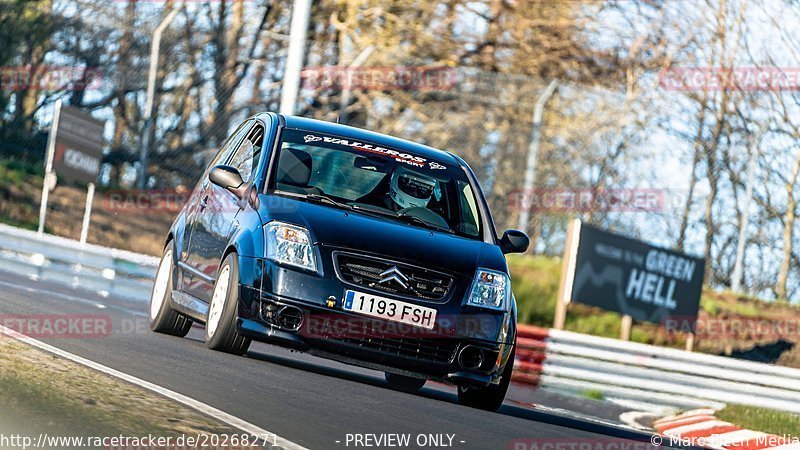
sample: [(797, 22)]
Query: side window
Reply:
[(225, 152), (469, 210), (248, 154)]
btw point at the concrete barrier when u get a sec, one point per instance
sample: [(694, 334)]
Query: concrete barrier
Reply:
[(631, 373), (107, 271)]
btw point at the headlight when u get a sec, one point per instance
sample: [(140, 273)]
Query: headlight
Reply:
[(490, 289), (290, 244)]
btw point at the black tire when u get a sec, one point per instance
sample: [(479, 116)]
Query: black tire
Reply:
[(164, 319), (223, 337), (404, 383), (491, 397)]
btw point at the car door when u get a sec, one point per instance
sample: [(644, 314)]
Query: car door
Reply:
[(193, 273), (216, 217)]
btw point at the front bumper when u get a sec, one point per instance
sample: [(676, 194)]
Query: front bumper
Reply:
[(447, 354), (352, 339)]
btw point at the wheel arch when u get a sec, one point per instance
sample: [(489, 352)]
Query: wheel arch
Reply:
[(230, 249)]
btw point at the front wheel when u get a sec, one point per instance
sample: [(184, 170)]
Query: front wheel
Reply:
[(221, 331), (164, 319), (404, 383), (490, 397)]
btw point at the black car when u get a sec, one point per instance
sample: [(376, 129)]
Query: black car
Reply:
[(347, 244)]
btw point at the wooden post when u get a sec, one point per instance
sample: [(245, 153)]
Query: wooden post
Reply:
[(561, 314), (567, 274), (625, 328), (87, 213), (689, 342), (49, 176)]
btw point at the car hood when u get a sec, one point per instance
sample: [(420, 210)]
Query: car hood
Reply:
[(337, 228)]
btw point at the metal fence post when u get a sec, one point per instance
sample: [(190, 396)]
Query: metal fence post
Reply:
[(155, 54), (301, 15)]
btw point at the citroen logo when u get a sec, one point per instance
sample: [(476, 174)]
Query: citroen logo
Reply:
[(394, 274)]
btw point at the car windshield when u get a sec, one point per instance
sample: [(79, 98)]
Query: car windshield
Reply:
[(372, 179)]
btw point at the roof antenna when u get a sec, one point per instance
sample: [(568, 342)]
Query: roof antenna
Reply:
[(338, 118)]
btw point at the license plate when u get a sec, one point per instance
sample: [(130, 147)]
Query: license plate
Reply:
[(386, 308)]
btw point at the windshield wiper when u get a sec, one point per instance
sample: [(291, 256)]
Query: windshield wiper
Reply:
[(324, 199), (316, 198), (419, 221), (319, 198)]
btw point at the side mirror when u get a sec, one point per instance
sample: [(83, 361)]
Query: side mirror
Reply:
[(514, 241), (226, 177)]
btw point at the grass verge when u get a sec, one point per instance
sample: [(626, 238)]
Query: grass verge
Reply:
[(761, 419), (43, 393)]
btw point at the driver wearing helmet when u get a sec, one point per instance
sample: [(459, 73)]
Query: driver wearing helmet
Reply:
[(409, 189)]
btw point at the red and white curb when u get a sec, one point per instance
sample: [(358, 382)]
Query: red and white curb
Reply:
[(701, 428)]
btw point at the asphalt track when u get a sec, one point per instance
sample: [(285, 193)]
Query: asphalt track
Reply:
[(310, 401)]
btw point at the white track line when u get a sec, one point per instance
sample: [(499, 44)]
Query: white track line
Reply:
[(180, 398), (633, 418)]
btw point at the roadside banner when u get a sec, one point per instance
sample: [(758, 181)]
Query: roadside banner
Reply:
[(636, 279), (78, 146), (74, 152)]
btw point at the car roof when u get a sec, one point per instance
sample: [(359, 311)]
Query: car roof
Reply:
[(383, 140)]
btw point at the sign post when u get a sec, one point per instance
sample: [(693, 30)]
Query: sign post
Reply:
[(49, 176), (690, 342), (87, 213), (567, 272), (74, 152), (625, 327)]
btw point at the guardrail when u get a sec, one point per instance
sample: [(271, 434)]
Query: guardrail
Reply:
[(631, 374), (638, 374), (108, 271)]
